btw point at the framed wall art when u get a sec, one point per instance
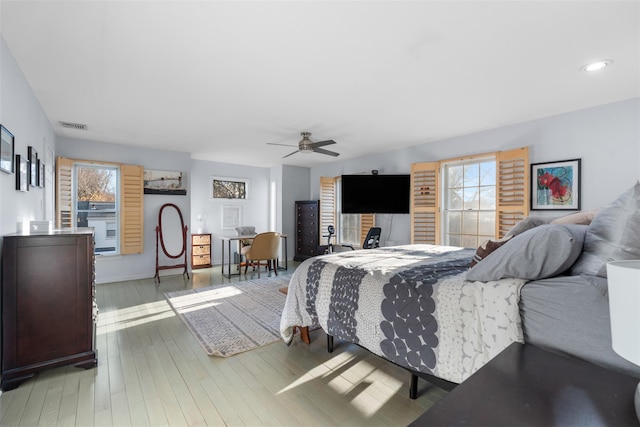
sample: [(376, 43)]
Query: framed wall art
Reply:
[(22, 173), (33, 167), (41, 176), (555, 185), (231, 217), (229, 188), (7, 150), (164, 182)]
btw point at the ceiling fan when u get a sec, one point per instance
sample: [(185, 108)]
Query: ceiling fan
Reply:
[(307, 146)]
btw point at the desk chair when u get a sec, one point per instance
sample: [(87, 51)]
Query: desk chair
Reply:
[(265, 247)]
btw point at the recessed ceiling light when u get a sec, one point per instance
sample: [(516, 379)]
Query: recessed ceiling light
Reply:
[(598, 65)]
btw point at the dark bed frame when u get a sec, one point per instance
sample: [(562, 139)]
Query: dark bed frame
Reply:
[(413, 388)]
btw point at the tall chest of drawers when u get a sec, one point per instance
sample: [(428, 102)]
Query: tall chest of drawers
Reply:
[(307, 229), (48, 303), (200, 250)]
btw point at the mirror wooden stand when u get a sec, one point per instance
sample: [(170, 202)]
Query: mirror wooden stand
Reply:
[(171, 233)]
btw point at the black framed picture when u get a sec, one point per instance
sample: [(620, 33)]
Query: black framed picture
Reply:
[(555, 185), (7, 150), (22, 173), (41, 170), (33, 167)]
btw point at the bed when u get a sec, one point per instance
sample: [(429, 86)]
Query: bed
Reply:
[(423, 308)]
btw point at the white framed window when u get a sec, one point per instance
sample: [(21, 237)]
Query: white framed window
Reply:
[(228, 188), (348, 227), (96, 198), (469, 201)]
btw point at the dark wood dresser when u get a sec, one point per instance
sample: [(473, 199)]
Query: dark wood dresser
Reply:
[(307, 229), (48, 303)]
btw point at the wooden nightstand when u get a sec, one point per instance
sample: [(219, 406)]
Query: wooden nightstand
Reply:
[(200, 251)]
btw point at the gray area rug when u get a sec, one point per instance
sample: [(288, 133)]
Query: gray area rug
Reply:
[(233, 318)]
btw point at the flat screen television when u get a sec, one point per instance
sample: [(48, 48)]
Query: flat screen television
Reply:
[(375, 194)]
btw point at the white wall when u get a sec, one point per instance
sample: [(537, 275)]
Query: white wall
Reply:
[(254, 210), (22, 115), (292, 183), (606, 138), (112, 268)]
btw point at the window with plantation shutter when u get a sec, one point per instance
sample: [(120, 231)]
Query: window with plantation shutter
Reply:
[(79, 209), (511, 194)]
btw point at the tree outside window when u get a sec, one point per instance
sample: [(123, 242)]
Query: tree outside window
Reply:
[(96, 200)]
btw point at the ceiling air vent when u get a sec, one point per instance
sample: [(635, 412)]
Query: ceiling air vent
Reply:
[(76, 126)]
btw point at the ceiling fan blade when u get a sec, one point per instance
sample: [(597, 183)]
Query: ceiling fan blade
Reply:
[(327, 152), (323, 143), (275, 143), (290, 154)]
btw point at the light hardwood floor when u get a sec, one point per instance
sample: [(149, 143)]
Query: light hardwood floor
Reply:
[(152, 372)]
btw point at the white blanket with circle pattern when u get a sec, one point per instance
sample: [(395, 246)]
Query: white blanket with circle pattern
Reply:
[(409, 304)]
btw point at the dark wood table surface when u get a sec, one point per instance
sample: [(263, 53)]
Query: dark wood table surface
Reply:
[(528, 386)]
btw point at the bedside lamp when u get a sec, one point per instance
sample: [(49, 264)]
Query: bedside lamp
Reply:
[(624, 306)]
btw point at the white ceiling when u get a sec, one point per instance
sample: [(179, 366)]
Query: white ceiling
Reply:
[(220, 79)]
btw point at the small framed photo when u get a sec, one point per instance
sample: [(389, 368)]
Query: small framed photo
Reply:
[(555, 185), (33, 167), (22, 173), (7, 150)]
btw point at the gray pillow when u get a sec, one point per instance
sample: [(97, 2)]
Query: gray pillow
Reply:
[(538, 253), (527, 224), (613, 235)]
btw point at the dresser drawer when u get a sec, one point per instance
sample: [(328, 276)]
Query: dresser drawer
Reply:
[(201, 250), (200, 239), (197, 260)]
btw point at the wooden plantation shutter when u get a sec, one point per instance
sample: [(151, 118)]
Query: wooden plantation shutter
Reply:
[(512, 188), (327, 203), (366, 222), (64, 196), (425, 203), (131, 209)]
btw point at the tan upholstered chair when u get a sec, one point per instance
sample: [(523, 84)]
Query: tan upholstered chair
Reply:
[(265, 247)]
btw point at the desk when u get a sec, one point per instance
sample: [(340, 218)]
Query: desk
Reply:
[(528, 386), (229, 239)]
